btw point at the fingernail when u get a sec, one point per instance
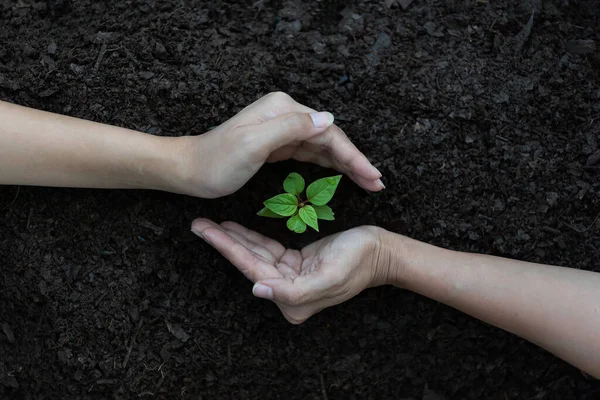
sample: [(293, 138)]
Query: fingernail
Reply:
[(322, 119), (262, 291), (381, 183), (200, 235), (197, 232), (377, 171)]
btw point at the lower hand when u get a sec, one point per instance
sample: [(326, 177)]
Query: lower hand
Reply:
[(301, 282), (274, 128)]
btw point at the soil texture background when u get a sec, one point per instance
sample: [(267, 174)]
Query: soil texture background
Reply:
[(483, 116)]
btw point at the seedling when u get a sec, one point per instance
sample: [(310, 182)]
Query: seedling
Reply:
[(302, 212)]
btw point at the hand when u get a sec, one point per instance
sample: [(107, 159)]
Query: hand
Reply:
[(274, 128), (301, 283)]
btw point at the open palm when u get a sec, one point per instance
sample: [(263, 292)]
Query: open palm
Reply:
[(301, 282)]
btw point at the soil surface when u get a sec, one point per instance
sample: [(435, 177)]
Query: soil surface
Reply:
[(484, 117)]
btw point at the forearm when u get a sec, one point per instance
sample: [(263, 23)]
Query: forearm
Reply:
[(556, 308), (44, 149)]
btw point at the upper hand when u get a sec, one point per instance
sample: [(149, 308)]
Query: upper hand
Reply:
[(301, 282), (274, 128)]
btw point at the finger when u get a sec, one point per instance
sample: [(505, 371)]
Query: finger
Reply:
[(283, 153), (345, 154), (267, 107), (301, 290), (319, 157), (373, 185), (368, 184), (293, 258), (259, 250), (273, 246), (248, 263), (311, 250), (287, 271), (324, 160), (200, 224), (270, 135), (274, 104)]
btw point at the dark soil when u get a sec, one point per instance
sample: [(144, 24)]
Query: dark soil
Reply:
[(485, 123)]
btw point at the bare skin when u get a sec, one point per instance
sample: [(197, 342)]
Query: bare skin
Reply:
[(554, 307), (45, 149)]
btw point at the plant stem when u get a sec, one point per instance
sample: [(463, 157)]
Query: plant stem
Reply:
[(300, 202)]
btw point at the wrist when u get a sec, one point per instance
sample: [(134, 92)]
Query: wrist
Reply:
[(422, 268), (163, 164), (390, 261), (400, 261)]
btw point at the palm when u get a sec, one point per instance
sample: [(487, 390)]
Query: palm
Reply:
[(320, 275)]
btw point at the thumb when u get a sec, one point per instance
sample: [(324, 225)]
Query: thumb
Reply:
[(293, 292), (288, 128)]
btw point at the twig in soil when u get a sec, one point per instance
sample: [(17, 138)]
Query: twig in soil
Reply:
[(493, 23), (160, 382), (550, 230), (586, 229), (523, 36), (106, 382), (102, 296), (15, 199), (323, 391), (29, 218), (100, 56), (132, 342)]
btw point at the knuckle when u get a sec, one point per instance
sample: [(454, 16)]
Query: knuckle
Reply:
[(331, 136), (279, 97), (243, 134), (327, 142), (245, 138), (227, 224), (297, 122)]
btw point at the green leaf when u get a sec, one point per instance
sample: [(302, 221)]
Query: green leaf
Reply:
[(295, 224), (294, 183), (324, 212), (309, 215), (321, 191), (283, 204), (265, 212)]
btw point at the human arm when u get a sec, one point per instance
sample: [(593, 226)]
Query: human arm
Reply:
[(553, 307), (45, 149), (556, 308)]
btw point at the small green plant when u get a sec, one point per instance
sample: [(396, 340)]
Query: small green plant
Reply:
[(302, 212)]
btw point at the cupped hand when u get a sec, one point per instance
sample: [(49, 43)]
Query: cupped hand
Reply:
[(301, 282), (274, 128)]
